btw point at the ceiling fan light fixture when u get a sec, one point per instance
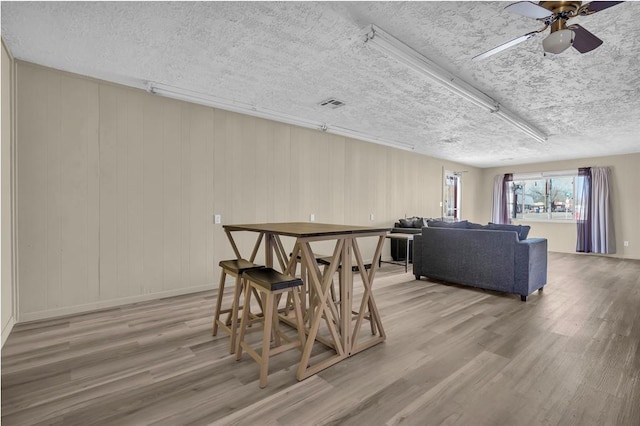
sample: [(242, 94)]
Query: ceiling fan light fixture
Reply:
[(558, 41)]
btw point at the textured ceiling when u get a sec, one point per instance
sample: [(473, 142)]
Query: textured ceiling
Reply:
[(288, 56)]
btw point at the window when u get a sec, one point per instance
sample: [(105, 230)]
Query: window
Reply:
[(543, 197)]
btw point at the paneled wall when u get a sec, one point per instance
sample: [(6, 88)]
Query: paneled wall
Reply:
[(6, 185), (118, 189)]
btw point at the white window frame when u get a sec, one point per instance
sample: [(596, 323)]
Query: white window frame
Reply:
[(545, 211)]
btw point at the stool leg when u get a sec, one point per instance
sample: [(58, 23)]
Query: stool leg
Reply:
[(234, 313), (216, 317), (244, 320), (266, 338), (299, 318), (276, 321)]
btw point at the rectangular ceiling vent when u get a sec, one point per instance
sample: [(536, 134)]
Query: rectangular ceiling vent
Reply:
[(332, 103)]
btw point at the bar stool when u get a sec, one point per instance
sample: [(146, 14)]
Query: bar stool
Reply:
[(234, 268), (272, 284)]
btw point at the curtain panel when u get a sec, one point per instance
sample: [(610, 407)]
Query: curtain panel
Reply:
[(603, 238), (500, 207), (594, 213)]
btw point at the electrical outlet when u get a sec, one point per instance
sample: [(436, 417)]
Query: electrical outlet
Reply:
[(217, 219), (371, 217), (626, 243), (312, 217)]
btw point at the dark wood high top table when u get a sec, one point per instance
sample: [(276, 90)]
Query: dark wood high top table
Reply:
[(340, 323)]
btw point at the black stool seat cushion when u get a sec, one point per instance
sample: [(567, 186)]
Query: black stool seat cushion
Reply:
[(354, 267), (271, 279), (239, 265)]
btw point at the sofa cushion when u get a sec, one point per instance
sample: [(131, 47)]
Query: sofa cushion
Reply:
[(442, 224), (522, 230), (407, 222), (412, 222)]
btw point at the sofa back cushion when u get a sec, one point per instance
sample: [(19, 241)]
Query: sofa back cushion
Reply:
[(522, 230), (441, 224)]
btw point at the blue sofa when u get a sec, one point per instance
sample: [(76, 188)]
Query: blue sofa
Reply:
[(494, 259)]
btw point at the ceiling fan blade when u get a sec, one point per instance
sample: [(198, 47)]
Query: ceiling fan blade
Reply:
[(597, 6), (504, 46), (584, 41), (529, 10)]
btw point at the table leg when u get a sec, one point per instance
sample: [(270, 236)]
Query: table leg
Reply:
[(367, 302), (268, 251), (323, 308), (346, 291), (233, 244)]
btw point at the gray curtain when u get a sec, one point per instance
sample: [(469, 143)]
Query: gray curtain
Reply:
[(500, 209), (603, 238), (594, 214)]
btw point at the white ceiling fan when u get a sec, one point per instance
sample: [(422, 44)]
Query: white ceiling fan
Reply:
[(555, 14)]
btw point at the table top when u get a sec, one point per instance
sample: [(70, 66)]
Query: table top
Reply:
[(306, 229)]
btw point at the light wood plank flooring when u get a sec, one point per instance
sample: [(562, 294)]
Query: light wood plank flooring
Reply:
[(454, 355)]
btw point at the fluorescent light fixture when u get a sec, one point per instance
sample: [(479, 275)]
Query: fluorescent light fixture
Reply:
[(521, 125), (248, 109), (342, 131), (243, 108), (388, 44)]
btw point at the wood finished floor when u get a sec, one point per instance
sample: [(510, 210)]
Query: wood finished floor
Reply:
[(453, 355)]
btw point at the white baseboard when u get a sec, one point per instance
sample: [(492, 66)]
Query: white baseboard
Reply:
[(105, 304), (6, 330)]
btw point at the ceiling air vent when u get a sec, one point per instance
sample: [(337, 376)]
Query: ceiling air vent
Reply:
[(332, 103)]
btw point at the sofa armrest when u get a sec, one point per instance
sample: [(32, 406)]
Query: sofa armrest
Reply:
[(531, 265)]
